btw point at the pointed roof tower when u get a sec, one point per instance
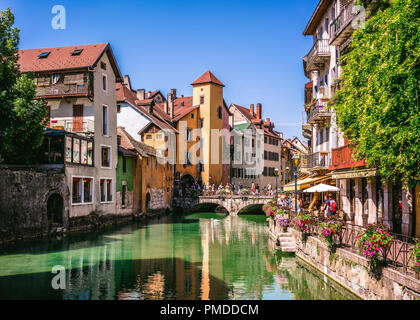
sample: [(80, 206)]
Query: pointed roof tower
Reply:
[(208, 77)]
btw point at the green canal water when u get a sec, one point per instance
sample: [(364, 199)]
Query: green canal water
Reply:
[(201, 256)]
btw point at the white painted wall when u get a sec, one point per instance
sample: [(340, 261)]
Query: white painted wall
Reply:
[(132, 120)]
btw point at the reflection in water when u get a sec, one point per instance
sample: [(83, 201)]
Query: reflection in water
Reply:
[(209, 257)]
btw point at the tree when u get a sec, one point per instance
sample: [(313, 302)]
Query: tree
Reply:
[(378, 103), (22, 118)]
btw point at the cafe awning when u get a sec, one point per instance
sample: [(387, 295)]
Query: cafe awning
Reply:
[(305, 183), (319, 188)]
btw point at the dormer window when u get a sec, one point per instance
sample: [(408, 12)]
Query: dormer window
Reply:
[(44, 55), (76, 52)]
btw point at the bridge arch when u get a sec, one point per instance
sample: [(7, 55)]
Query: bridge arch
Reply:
[(209, 207), (234, 204), (254, 209)]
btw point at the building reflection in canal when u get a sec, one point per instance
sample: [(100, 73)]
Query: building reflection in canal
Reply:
[(216, 258)]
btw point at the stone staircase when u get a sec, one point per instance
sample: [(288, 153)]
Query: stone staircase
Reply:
[(287, 242)]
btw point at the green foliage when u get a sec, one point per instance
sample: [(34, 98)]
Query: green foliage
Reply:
[(21, 117), (416, 256), (377, 106)]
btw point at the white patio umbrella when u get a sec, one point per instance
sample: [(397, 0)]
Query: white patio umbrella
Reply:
[(322, 188)]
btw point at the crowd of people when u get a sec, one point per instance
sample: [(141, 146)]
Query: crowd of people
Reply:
[(185, 190)]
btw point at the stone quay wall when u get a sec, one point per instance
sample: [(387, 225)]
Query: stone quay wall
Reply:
[(24, 194), (352, 271), (23, 201)]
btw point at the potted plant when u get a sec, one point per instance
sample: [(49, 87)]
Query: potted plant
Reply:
[(372, 242), (329, 229)]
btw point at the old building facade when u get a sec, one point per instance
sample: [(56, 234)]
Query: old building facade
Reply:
[(78, 84), (364, 197)]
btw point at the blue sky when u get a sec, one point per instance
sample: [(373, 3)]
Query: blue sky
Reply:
[(254, 47)]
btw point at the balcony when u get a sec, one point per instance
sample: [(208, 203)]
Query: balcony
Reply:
[(84, 126), (306, 127), (342, 158), (319, 112), (64, 85), (318, 56), (320, 160), (341, 28)]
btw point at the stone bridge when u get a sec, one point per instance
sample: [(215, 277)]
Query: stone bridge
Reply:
[(233, 204)]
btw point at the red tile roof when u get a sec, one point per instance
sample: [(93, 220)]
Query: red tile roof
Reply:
[(208, 77), (151, 94), (126, 95), (245, 112), (129, 143), (186, 100), (183, 111), (60, 58), (251, 118)]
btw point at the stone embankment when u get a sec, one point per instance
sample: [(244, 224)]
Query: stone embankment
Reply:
[(349, 269)]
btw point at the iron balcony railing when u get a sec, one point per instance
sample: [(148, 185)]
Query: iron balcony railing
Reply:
[(316, 160), (82, 126), (319, 111), (318, 55), (341, 23)]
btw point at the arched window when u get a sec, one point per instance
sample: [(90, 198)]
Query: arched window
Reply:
[(219, 113)]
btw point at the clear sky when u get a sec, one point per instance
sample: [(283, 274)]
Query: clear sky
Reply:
[(254, 47)]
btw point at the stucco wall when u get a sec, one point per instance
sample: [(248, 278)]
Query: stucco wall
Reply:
[(132, 120)]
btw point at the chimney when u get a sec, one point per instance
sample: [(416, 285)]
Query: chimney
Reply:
[(140, 94), (127, 81), (173, 93), (165, 107), (251, 109), (170, 104), (259, 111)]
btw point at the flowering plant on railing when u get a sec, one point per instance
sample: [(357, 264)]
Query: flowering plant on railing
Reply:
[(270, 209), (329, 229), (244, 192), (282, 221), (302, 221), (221, 193), (416, 256), (283, 212), (374, 240)]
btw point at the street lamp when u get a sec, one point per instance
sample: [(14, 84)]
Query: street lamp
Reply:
[(276, 173), (296, 163)]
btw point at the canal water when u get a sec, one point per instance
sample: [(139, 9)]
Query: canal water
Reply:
[(201, 256)]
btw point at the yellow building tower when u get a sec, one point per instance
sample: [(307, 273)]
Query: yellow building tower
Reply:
[(208, 94)]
